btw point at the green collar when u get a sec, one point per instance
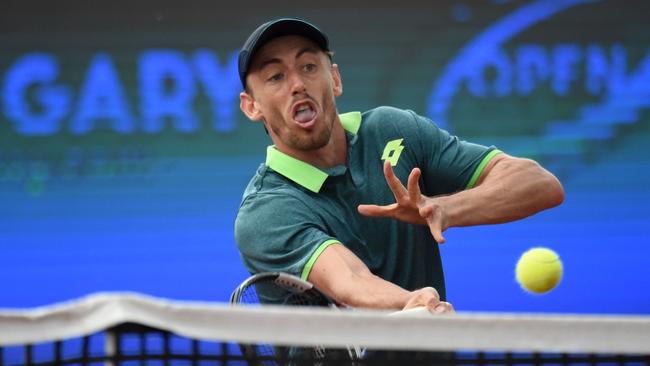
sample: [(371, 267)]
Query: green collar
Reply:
[(351, 121), (303, 173)]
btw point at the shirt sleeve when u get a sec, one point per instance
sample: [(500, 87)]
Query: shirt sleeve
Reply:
[(280, 233), (448, 163)]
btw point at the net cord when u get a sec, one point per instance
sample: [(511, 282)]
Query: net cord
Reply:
[(305, 326)]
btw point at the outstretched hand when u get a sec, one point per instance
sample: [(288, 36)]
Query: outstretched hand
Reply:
[(410, 204)]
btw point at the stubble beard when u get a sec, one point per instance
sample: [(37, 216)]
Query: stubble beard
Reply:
[(309, 142)]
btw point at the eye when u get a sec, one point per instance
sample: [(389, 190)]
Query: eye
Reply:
[(310, 67), (276, 77)]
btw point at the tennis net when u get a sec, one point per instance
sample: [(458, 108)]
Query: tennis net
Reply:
[(133, 329)]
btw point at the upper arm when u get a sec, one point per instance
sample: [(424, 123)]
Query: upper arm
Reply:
[(489, 167), (448, 163), (279, 233), (503, 165), (506, 164)]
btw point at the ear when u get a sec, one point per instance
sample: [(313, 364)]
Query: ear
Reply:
[(250, 108), (338, 83)]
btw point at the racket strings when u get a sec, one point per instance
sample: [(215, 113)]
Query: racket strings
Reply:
[(264, 353), (249, 296)]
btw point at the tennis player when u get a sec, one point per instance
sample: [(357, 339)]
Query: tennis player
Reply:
[(356, 203)]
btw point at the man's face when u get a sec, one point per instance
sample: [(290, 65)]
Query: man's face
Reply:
[(292, 87)]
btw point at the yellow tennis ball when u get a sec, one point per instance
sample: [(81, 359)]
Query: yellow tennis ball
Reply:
[(539, 270)]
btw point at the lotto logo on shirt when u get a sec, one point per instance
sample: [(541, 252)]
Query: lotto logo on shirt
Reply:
[(392, 151)]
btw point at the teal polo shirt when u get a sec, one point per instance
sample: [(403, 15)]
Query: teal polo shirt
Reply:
[(291, 211)]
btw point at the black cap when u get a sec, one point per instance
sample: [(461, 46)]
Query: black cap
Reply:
[(273, 29)]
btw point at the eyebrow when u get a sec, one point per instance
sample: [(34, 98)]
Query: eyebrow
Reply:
[(268, 62), (276, 60), (306, 50)]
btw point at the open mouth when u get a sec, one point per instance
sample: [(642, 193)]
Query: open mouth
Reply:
[(304, 113)]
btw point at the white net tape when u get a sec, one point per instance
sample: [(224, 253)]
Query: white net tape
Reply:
[(413, 330)]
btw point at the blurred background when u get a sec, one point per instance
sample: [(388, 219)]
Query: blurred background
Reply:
[(123, 153)]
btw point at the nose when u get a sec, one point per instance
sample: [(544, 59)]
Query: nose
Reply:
[(297, 83)]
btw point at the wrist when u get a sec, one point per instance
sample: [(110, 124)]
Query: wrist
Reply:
[(445, 208), (449, 210)]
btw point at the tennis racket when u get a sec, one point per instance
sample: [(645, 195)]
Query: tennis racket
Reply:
[(284, 289)]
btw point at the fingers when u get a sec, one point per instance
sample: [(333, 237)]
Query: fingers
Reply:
[(377, 211), (435, 306), (398, 189), (443, 307), (413, 188), (433, 215), (395, 185), (424, 297), (436, 231), (428, 298)]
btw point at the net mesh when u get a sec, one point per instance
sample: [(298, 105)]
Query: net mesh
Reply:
[(135, 330)]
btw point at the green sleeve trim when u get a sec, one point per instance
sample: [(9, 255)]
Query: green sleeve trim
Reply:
[(310, 263), (481, 167)]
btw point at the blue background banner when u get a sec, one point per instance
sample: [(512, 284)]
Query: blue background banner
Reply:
[(123, 153)]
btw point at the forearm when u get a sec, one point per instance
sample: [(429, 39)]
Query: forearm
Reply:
[(344, 277), (514, 189), (370, 291)]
